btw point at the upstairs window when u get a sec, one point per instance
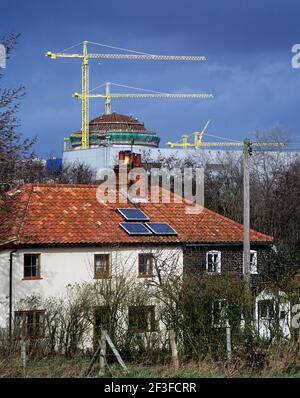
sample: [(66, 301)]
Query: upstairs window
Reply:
[(146, 262), (32, 266), (213, 262), (253, 262), (30, 324), (142, 318), (102, 266)]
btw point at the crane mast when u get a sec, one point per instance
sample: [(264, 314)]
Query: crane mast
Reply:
[(85, 98), (85, 95)]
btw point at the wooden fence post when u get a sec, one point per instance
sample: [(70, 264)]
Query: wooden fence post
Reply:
[(115, 351), (23, 356), (228, 341), (102, 358), (175, 360), (101, 351)]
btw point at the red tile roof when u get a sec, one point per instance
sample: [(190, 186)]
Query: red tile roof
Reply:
[(71, 214), (116, 121)]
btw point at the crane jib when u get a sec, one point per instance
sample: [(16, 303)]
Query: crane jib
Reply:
[(141, 57)]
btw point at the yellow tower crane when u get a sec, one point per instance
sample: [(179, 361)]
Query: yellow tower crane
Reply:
[(198, 135), (199, 143), (152, 95), (86, 56)]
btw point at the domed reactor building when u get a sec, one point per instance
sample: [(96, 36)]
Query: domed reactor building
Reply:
[(110, 134), (115, 129)]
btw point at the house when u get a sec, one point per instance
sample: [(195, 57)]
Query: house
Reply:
[(52, 236)]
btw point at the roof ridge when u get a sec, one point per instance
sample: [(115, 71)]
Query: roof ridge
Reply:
[(63, 185)]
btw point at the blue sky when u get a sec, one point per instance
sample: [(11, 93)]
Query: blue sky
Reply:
[(248, 45)]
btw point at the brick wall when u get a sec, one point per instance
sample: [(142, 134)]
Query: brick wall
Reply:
[(194, 258)]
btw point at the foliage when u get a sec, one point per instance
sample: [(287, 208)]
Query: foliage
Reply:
[(14, 151)]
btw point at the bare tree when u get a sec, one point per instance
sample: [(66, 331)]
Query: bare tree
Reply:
[(13, 149)]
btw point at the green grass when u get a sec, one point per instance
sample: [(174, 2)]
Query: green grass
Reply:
[(74, 368)]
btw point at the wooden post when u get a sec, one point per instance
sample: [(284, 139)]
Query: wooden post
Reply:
[(175, 360), (23, 356), (101, 351), (246, 221), (95, 356), (102, 358), (228, 341), (246, 245), (115, 351)]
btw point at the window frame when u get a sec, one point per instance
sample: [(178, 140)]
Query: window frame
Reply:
[(253, 268), (146, 275), (39, 267), (219, 265), (104, 275), (151, 309), (270, 306), (23, 332)]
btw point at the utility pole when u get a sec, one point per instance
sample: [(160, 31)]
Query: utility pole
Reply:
[(246, 222), (247, 152)]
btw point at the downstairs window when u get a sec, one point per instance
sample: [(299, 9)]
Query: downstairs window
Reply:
[(30, 324), (142, 318)]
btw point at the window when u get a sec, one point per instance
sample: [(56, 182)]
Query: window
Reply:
[(219, 311), (32, 266), (30, 324), (253, 262), (266, 309), (102, 320), (102, 266), (142, 318), (146, 265), (213, 262)]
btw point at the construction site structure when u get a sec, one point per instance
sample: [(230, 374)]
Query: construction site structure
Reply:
[(134, 55), (114, 130), (198, 142), (149, 95)]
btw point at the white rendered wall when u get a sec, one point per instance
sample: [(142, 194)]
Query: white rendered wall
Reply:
[(61, 267), (4, 287)]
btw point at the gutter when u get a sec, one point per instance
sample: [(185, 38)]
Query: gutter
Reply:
[(11, 288), (227, 244)]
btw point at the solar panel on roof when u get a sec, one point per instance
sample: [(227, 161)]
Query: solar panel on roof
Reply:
[(161, 228), (135, 228), (133, 214)]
